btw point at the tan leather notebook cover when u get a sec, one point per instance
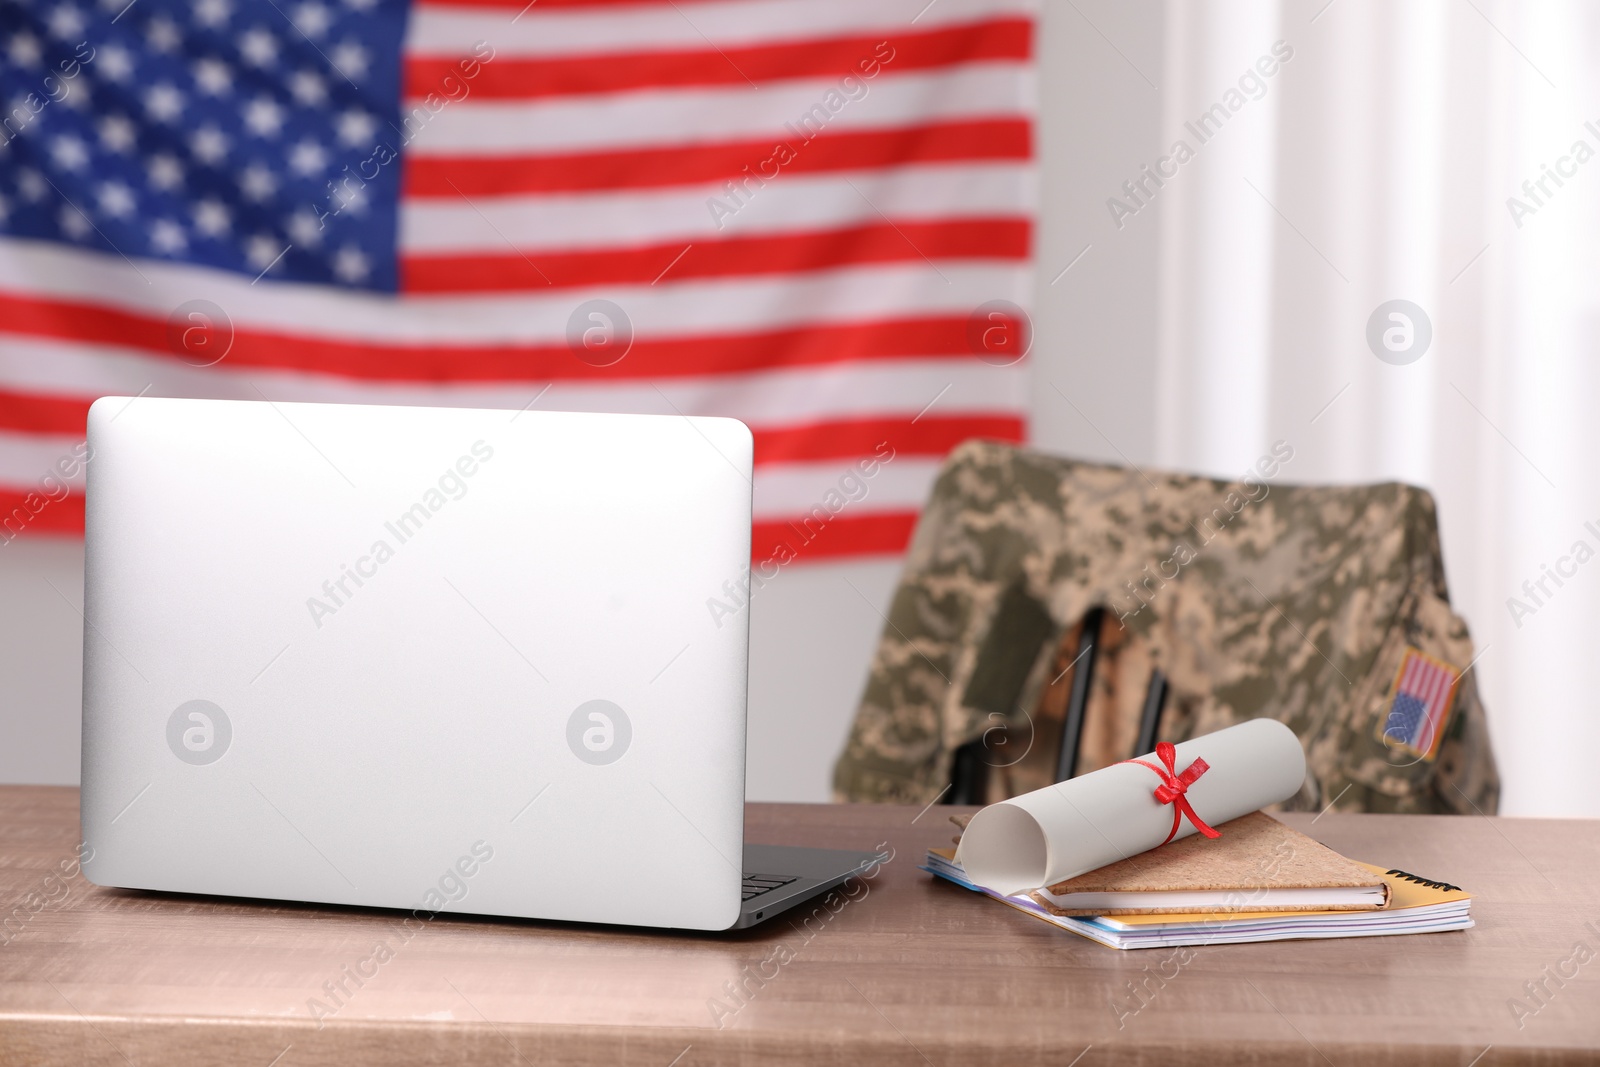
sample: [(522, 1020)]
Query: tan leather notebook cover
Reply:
[(1255, 852)]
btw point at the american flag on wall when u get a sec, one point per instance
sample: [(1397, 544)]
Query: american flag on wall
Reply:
[(812, 215)]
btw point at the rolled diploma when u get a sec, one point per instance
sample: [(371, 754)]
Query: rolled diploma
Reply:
[(1084, 823)]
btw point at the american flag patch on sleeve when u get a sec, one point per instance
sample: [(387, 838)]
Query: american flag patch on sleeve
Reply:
[(1424, 691)]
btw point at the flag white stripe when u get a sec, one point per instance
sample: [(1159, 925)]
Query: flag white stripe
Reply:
[(28, 459), (1421, 686), (662, 118), (895, 389), (1442, 706), (1430, 700), (693, 308), (788, 203), (1413, 676), (1429, 684), (785, 490), (451, 31), (29, 462), (1439, 689)]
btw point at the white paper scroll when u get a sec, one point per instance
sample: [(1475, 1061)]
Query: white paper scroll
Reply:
[(1063, 830)]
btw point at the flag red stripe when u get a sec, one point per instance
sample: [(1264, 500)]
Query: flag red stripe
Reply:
[(887, 242), (671, 357), (930, 435), (63, 516), (1439, 689), (525, 78), (32, 413), (853, 438), (641, 168), (881, 533)]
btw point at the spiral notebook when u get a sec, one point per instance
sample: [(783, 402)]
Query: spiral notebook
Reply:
[(1196, 891)]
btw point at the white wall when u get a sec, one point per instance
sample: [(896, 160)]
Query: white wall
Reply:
[(41, 659), (813, 628)]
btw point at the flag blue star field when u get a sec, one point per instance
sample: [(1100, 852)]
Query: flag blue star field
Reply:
[(208, 133), (812, 215)]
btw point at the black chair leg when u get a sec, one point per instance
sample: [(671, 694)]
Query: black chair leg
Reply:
[(1155, 702), (969, 775), (1078, 699)]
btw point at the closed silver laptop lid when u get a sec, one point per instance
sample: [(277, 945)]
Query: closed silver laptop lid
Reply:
[(423, 658)]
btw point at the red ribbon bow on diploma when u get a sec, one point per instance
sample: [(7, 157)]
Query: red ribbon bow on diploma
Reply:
[(1174, 785)]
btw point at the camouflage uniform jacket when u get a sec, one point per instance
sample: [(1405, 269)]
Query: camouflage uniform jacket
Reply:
[(1296, 602)]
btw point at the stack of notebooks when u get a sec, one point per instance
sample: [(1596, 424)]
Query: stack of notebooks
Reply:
[(1260, 881)]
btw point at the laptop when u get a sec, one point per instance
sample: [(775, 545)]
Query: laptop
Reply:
[(437, 659)]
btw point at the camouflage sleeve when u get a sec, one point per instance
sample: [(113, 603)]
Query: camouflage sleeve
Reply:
[(965, 569), (897, 751), (1368, 759)]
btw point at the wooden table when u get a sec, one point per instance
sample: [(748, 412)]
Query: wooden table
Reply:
[(910, 972)]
